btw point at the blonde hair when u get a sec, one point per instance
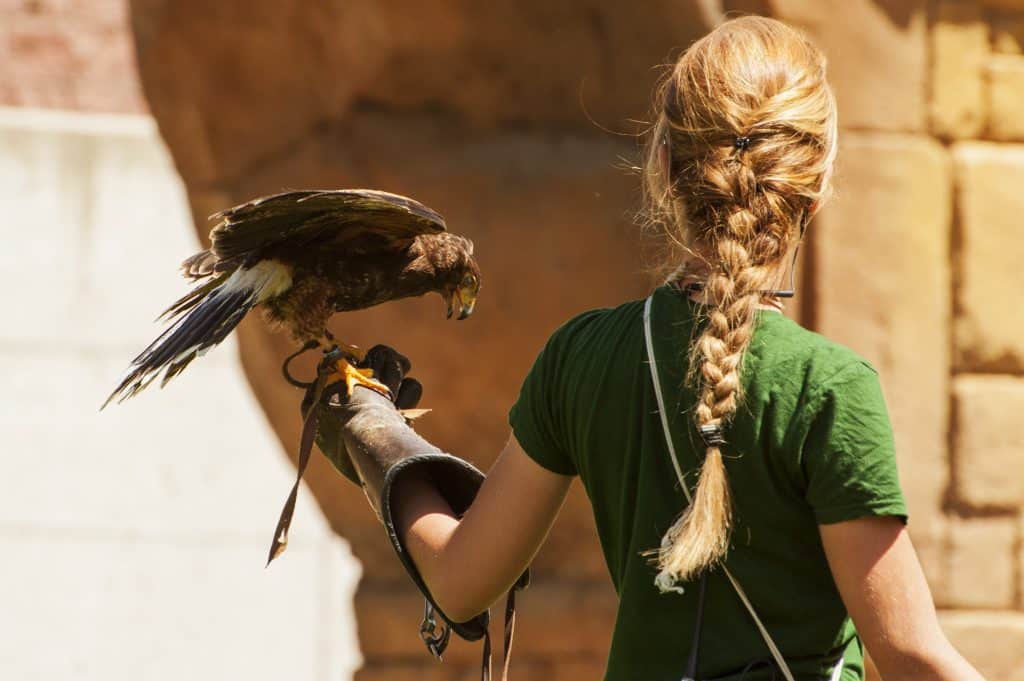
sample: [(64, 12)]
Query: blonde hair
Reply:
[(738, 159)]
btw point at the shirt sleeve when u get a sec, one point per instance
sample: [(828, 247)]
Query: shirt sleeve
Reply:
[(849, 456), (538, 418)]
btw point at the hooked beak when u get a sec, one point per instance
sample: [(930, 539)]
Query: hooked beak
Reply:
[(462, 300)]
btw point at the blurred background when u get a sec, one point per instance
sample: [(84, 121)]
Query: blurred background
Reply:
[(134, 539)]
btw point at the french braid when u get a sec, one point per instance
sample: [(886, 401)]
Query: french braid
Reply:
[(738, 161)]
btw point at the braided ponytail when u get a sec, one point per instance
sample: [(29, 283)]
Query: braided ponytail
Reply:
[(738, 160)]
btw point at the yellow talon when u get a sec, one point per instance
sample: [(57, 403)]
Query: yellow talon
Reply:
[(354, 376)]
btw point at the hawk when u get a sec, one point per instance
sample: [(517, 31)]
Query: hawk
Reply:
[(301, 256)]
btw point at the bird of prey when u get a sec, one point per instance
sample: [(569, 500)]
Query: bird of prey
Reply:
[(302, 256)]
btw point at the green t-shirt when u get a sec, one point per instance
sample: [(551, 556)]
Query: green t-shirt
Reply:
[(810, 444)]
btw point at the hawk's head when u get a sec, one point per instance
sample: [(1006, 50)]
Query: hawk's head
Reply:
[(458, 273)]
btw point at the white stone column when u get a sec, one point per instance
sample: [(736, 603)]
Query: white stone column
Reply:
[(133, 541)]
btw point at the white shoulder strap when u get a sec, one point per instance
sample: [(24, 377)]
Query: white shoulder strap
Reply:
[(779, 660)]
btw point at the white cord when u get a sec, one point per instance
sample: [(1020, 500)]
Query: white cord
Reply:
[(779, 659)]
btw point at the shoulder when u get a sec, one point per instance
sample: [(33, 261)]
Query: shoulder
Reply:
[(587, 340), (783, 347), (597, 326)]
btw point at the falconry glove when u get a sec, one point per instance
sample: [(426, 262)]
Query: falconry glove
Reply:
[(367, 437), (405, 391)]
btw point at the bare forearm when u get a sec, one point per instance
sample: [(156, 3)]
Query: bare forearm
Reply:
[(464, 576), (469, 563), (940, 662), (426, 525), (884, 589)]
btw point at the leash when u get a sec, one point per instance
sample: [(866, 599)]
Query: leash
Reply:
[(314, 393), (663, 413)]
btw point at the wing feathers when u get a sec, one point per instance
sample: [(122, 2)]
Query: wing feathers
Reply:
[(359, 219), (204, 318), (199, 265)]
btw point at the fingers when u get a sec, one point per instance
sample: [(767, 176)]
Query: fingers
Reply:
[(386, 354), (389, 366), (409, 393)]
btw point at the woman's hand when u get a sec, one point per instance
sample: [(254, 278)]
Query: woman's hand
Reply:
[(878, 575), (469, 564)]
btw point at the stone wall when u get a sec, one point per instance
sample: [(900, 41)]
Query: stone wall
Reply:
[(507, 118), (980, 48), (67, 54)]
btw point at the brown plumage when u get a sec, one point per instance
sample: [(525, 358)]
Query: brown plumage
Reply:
[(302, 256)]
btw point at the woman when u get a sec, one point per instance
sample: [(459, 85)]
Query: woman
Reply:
[(782, 436)]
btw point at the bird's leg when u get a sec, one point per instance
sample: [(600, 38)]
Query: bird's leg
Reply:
[(347, 369), (352, 351)]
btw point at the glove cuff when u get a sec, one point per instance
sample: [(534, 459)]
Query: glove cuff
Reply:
[(457, 481)]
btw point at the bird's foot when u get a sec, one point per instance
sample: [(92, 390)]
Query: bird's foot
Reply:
[(353, 376)]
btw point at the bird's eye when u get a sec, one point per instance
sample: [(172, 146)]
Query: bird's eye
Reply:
[(468, 280)]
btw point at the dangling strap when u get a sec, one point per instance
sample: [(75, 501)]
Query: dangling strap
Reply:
[(314, 391), (691, 662), (510, 626), (776, 654)]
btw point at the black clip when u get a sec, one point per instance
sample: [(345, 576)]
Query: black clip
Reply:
[(712, 435), (436, 640)]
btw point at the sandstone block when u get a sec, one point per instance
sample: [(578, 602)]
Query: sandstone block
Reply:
[(389, 620), (1008, 34), (584, 669), (1006, 97), (881, 280), (989, 326), (932, 548), (1020, 563), (991, 641), (877, 54), (75, 56), (568, 619), (983, 562), (1002, 5), (988, 440), (554, 619), (959, 47), (426, 669)]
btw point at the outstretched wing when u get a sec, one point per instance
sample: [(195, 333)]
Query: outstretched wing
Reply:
[(355, 220)]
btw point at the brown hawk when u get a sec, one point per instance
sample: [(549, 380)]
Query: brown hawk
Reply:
[(302, 256)]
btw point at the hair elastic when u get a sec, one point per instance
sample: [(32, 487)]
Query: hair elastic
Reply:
[(712, 435)]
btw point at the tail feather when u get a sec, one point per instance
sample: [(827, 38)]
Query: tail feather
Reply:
[(195, 331), (201, 319), (189, 300)]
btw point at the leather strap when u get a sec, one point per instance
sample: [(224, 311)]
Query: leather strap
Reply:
[(691, 661), (663, 413), (309, 422), (510, 626)]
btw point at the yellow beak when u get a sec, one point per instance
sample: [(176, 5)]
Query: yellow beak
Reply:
[(462, 300)]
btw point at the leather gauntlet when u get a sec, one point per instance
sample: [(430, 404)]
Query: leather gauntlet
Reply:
[(370, 440)]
